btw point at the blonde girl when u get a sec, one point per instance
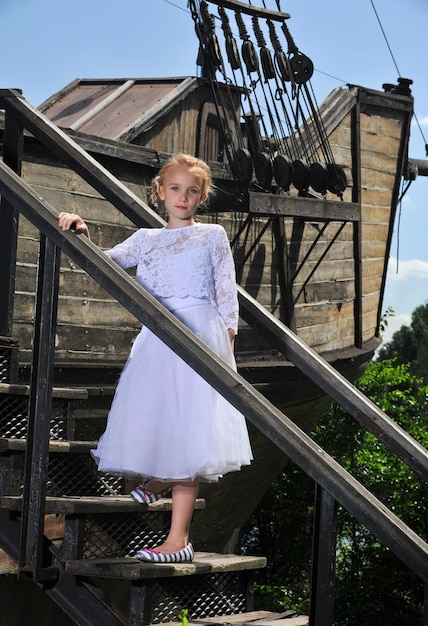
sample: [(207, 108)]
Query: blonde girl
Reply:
[(167, 427)]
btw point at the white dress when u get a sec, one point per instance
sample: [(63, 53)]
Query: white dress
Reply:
[(166, 422)]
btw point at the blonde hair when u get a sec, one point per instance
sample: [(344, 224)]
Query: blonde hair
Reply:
[(194, 164)]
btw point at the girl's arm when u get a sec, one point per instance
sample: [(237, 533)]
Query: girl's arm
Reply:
[(225, 282), (231, 333), (67, 220)]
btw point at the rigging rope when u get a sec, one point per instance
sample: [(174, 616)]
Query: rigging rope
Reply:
[(398, 71)]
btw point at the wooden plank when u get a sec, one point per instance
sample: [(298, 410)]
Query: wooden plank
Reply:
[(109, 348), (165, 104), (421, 166), (132, 569), (297, 620), (372, 99), (67, 393), (9, 217), (80, 505), (254, 618), (303, 208), (239, 618), (235, 5), (7, 565), (102, 105), (77, 447)]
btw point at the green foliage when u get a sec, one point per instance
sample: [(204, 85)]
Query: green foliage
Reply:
[(372, 586), (384, 320), (281, 530), (409, 344)]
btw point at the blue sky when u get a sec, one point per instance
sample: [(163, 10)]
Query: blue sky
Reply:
[(46, 44)]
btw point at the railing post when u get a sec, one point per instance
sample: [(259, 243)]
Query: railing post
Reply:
[(323, 559), (12, 156), (426, 605), (39, 412)]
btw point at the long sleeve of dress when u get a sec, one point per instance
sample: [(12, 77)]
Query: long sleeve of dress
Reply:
[(225, 282), (194, 261)]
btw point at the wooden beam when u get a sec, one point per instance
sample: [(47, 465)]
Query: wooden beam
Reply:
[(12, 155), (304, 208), (235, 5), (357, 237), (421, 166)]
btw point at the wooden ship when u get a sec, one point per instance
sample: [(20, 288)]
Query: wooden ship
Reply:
[(307, 194)]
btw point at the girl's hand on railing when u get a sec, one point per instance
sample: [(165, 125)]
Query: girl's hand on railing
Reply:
[(67, 220)]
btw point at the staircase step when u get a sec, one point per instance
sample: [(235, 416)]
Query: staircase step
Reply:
[(66, 393), (252, 618), (14, 410), (20, 445), (71, 470), (211, 585), (76, 505), (132, 569)]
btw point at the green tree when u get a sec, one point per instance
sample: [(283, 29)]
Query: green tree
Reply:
[(373, 587), (409, 344)]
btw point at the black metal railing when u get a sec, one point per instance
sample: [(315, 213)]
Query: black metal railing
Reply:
[(335, 483)]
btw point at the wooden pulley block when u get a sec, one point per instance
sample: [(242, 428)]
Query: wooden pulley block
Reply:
[(283, 65), (319, 177), (263, 169), (283, 171), (214, 50), (242, 166), (267, 63), (249, 54), (233, 53), (301, 67), (301, 175), (337, 181)]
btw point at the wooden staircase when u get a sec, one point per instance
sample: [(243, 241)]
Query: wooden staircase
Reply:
[(48, 538), (92, 530)]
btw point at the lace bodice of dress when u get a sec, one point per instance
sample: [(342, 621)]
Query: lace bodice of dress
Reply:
[(191, 261)]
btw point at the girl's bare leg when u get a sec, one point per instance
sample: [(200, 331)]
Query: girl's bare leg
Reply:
[(157, 486), (183, 503)]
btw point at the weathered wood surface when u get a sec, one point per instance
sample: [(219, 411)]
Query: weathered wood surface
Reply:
[(132, 569), (282, 431), (320, 265), (69, 393), (255, 618), (67, 505), (7, 565), (243, 7), (19, 445)]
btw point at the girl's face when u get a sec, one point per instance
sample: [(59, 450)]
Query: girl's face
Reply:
[(181, 192)]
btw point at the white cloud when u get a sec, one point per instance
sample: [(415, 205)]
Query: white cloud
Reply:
[(423, 121), (407, 270)]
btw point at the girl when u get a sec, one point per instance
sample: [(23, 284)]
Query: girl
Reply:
[(167, 425)]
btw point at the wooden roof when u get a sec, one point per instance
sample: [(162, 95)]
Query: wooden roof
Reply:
[(115, 109)]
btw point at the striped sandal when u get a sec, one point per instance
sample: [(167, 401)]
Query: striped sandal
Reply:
[(154, 556), (142, 495)]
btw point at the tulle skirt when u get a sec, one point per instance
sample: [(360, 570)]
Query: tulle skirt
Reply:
[(166, 422)]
